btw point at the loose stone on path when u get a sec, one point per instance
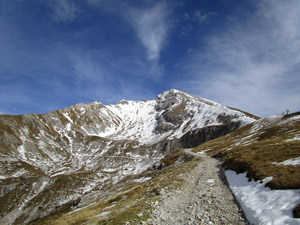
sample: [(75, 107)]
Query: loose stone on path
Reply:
[(205, 199)]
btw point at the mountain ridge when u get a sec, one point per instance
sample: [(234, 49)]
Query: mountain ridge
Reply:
[(93, 146)]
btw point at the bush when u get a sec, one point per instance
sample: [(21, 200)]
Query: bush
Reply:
[(296, 211)]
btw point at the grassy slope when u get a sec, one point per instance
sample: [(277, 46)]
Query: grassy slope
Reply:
[(246, 113), (128, 199), (258, 148)]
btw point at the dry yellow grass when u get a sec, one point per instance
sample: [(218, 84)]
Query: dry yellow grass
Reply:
[(128, 198), (257, 155), (258, 150)]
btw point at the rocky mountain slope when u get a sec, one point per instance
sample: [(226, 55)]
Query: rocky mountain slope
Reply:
[(55, 161), (193, 188)]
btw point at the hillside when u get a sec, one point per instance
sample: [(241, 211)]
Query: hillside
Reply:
[(186, 192), (74, 157), (148, 162), (189, 192), (267, 151), (193, 189)]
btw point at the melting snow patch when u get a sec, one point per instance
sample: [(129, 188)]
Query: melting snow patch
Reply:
[(204, 151), (68, 117), (111, 206), (293, 139), (291, 119), (142, 179), (18, 173), (289, 162), (103, 214), (109, 170), (263, 205)]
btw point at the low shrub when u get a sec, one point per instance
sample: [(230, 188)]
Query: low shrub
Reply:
[(296, 211)]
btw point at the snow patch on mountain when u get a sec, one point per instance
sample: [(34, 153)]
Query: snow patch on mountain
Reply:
[(292, 162), (94, 145), (138, 120)]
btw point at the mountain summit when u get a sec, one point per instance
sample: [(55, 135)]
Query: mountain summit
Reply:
[(51, 161)]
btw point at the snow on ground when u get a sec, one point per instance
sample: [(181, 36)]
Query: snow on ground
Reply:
[(109, 170), (103, 214), (137, 120), (289, 162), (291, 119), (142, 179), (263, 205), (293, 139)]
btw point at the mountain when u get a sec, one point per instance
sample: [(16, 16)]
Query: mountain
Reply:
[(55, 161), (265, 154)]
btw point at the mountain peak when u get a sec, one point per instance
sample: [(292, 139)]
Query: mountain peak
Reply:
[(170, 92), (92, 146), (174, 93)]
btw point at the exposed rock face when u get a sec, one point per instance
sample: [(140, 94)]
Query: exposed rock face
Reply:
[(196, 137), (49, 161), (171, 118)]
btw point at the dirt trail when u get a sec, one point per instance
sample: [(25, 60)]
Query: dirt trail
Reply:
[(205, 199)]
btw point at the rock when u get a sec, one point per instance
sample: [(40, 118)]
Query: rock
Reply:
[(199, 202), (162, 192), (149, 220), (198, 136), (157, 166)]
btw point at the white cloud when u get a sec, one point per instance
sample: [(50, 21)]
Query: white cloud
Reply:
[(152, 28), (150, 22), (253, 65), (65, 10), (199, 16), (85, 65)]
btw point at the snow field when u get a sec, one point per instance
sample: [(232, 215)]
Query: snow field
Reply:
[(263, 205)]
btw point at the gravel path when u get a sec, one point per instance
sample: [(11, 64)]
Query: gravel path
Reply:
[(205, 199)]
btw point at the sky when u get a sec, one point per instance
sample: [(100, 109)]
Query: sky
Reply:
[(239, 53)]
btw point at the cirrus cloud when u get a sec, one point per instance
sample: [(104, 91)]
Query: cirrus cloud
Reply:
[(253, 64), (151, 25)]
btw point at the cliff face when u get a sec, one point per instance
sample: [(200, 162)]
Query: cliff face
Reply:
[(198, 136), (50, 161)]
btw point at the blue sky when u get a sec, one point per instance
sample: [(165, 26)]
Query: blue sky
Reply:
[(56, 53)]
